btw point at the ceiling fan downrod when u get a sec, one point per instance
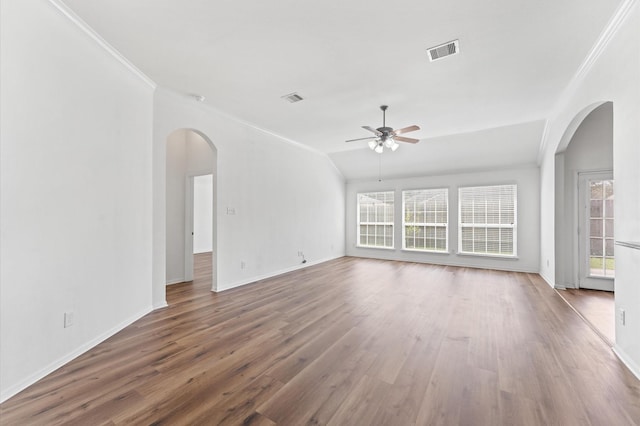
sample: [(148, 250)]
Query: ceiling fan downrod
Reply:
[(384, 114)]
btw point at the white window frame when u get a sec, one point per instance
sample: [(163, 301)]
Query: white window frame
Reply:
[(435, 224), (486, 226), (376, 223)]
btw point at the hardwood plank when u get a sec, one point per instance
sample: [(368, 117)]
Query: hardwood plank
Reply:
[(597, 307), (442, 401), (350, 341), (314, 384), (362, 404)]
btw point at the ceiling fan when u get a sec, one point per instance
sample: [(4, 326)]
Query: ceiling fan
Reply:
[(386, 136)]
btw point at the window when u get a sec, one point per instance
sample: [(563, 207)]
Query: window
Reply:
[(488, 220), (375, 219), (601, 241), (425, 219)]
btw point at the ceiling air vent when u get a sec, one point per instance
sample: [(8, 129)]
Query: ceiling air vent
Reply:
[(444, 50), (292, 97)]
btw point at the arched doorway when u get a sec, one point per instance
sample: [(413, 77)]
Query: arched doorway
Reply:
[(189, 154), (584, 228)]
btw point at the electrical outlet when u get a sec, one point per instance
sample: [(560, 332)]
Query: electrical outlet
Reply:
[(68, 319), (623, 318), (231, 211), (243, 265)]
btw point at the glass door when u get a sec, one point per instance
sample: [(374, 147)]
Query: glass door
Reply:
[(597, 260)]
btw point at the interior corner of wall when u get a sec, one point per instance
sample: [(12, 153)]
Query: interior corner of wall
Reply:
[(160, 305), (547, 279)]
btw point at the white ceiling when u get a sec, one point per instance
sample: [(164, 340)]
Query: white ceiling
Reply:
[(347, 57), (496, 148)]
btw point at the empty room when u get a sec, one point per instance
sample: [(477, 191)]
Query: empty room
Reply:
[(334, 213)]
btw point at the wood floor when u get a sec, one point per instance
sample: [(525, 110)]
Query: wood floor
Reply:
[(597, 308), (348, 342)]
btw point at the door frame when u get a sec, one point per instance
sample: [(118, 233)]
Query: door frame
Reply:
[(584, 280)]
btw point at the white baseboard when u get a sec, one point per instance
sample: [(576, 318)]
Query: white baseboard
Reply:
[(445, 263), (275, 273), (13, 390), (626, 360), (176, 281)]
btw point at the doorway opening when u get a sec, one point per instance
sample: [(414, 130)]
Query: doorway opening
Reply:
[(585, 262), (202, 214), (198, 246), (190, 207)]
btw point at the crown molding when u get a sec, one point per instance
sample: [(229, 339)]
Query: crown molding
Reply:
[(278, 136), (82, 25), (612, 28), (543, 141), (221, 113), (603, 41)]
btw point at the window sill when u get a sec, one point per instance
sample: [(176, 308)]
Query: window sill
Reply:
[(490, 256), (375, 248), (425, 251)]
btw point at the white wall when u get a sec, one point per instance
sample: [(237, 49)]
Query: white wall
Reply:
[(75, 197), (590, 149), (613, 75), (176, 171), (285, 198), (202, 214), (527, 179), (188, 155)]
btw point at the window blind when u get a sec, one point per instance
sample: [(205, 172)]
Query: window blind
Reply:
[(487, 220)]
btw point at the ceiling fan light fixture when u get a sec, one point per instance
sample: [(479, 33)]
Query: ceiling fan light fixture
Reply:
[(386, 137)]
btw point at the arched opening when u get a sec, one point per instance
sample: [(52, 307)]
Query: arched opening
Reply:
[(190, 156), (584, 228)]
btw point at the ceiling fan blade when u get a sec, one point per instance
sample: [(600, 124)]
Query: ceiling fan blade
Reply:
[(362, 139), (406, 130), (372, 130), (403, 139)]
